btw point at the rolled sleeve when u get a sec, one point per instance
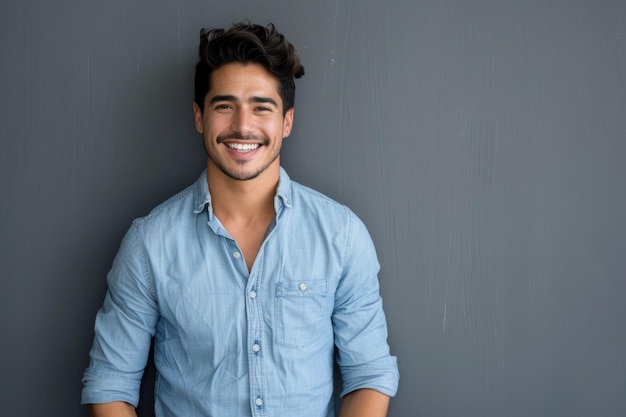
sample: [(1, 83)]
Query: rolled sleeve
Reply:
[(124, 328), (359, 321)]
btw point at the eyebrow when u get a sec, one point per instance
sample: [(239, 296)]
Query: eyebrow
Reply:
[(264, 100), (254, 99)]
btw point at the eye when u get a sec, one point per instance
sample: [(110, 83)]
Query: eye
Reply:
[(222, 107), (263, 109)]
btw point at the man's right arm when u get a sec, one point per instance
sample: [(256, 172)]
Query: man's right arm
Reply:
[(114, 409), (123, 331)]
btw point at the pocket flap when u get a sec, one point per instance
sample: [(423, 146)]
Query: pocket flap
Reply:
[(301, 288)]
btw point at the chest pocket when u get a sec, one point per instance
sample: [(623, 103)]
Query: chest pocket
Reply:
[(300, 307)]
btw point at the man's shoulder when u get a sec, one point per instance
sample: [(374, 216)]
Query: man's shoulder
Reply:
[(311, 205), (307, 197), (177, 208)]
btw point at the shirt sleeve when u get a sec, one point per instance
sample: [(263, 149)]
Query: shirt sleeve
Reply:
[(359, 321), (124, 327)]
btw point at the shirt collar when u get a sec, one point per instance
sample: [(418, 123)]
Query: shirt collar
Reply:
[(202, 196), (283, 191)]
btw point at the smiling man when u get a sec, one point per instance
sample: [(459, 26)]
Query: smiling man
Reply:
[(250, 285)]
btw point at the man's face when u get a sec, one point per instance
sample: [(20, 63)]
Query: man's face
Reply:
[(242, 123)]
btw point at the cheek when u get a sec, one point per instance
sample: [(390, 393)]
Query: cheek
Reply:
[(279, 127), (213, 124)]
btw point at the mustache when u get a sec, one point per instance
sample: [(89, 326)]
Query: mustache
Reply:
[(236, 135)]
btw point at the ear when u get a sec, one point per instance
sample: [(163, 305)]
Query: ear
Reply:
[(288, 122), (197, 116)]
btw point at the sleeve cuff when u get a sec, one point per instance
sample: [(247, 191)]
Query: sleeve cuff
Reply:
[(101, 387), (382, 377)]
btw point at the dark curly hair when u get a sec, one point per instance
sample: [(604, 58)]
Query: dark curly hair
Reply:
[(248, 43)]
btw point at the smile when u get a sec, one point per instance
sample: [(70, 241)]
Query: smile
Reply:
[(241, 147)]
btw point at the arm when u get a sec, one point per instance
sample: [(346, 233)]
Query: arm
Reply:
[(123, 331), (367, 368), (364, 403), (114, 409)]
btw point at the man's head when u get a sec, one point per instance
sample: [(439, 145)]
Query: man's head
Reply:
[(248, 43)]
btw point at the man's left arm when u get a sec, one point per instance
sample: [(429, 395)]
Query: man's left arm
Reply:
[(364, 403), (369, 372)]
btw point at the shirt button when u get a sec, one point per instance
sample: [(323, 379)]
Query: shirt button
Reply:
[(303, 287), (258, 401), (252, 294), (236, 255), (256, 347)]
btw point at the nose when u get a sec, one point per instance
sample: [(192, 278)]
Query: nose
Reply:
[(242, 121)]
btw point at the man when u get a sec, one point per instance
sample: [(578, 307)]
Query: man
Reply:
[(250, 284)]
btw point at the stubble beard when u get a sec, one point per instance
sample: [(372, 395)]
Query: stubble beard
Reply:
[(241, 175)]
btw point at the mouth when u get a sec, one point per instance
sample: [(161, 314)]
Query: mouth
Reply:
[(243, 147)]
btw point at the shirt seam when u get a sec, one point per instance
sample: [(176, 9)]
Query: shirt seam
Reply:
[(145, 268), (349, 238)]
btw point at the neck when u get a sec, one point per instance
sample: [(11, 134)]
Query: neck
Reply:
[(249, 200)]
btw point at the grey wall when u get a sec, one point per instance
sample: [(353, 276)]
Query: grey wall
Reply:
[(482, 142)]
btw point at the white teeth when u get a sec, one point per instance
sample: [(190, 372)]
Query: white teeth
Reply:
[(243, 147)]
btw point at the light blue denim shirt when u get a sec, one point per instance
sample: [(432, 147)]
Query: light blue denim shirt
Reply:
[(229, 342)]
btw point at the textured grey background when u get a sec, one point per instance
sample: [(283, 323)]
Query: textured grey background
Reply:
[(482, 142)]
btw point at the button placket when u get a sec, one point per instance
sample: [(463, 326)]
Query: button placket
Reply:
[(255, 356)]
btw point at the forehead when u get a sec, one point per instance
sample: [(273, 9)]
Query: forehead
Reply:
[(237, 77)]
